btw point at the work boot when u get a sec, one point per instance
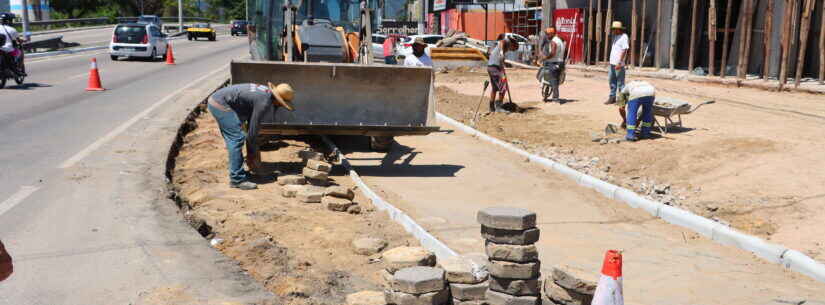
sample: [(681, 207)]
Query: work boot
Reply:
[(246, 185), (492, 106), (499, 107), (610, 100)]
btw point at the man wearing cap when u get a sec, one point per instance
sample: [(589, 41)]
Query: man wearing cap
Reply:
[(618, 52), (495, 68), (245, 103), (552, 51), (419, 56)]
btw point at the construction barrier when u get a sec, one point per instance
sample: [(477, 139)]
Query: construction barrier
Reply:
[(722, 234)]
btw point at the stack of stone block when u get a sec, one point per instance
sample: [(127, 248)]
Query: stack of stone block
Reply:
[(339, 199), (570, 286), (467, 279), (510, 235), (418, 286)]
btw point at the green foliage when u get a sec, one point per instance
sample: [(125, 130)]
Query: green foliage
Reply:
[(70, 9)]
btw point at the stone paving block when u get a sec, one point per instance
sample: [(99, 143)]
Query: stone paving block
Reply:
[(314, 174), (367, 297), (290, 191), (510, 237), (336, 204), (368, 245), (507, 218), (320, 166), (340, 192), (510, 270), (473, 302), (291, 180), (307, 155), (310, 194), (559, 295), (318, 182), (468, 292), (386, 277), (403, 257), (498, 298), (433, 298), (515, 287), (575, 279), (512, 253), (463, 270), (418, 280)]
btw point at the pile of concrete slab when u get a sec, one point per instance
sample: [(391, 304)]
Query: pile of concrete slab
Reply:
[(510, 235), (467, 279), (570, 286), (313, 185)]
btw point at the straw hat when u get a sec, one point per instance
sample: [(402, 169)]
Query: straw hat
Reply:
[(617, 25), (284, 94), (420, 41)]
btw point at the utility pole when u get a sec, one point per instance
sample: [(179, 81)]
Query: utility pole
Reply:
[(180, 15), (26, 33)]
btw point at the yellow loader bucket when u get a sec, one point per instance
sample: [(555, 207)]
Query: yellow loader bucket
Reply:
[(346, 99)]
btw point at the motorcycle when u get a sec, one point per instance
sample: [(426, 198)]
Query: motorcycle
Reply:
[(11, 73)]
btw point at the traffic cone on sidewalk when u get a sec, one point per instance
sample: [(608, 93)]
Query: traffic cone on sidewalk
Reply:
[(609, 289), (94, 78), (170, 57)]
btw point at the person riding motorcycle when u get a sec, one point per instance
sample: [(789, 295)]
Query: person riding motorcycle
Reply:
[(10, 42)]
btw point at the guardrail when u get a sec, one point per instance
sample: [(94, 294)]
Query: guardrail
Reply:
[(62, 23)]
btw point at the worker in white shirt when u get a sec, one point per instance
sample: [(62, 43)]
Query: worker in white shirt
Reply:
[(419, 56), (618, 54), (638, 94)]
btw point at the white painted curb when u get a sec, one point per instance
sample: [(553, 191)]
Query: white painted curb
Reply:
[(791, 259)]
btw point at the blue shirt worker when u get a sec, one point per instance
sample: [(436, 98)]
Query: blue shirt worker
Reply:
[(245, 103), (639, 94)]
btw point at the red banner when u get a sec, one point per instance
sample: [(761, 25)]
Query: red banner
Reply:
[(570, 27)]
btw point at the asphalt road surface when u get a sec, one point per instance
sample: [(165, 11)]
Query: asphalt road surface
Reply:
[(98, 36), (80, 229)]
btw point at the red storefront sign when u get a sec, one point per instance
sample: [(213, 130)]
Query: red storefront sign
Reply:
[(570, 26)]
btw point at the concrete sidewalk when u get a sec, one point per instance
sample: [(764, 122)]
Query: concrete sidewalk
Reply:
[(442, 180)]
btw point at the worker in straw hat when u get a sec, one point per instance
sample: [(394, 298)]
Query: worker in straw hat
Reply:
[(245, 103), (618, 54)]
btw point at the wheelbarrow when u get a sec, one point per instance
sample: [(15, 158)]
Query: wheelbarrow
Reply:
[(669, 108)]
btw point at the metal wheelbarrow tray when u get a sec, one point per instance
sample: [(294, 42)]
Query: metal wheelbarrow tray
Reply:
[(669, 107)]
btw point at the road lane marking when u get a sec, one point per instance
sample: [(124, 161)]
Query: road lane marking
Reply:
[(21, 194), (120, 129)]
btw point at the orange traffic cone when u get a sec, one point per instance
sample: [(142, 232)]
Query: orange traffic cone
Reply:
[(170, 57), (94, 78), (609, 289)]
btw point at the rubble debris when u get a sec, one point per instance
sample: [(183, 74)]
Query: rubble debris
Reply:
[(574, 279), (368, 245), (307, 155), (340, 192), (336, 204), (367, 297), (314, 174), (320, 166), (291, 190), (310, 194), (354, 209), (291, 180)]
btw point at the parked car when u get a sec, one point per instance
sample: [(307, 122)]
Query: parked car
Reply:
[(523, 48), (378, 45), (199, 30), (138, 40), (238, 27), (150, 19), (405, 47)]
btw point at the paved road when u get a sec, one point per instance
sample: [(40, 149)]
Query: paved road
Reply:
[(97, 37), (77, 211)]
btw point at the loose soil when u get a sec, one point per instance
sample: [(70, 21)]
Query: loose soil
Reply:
[(749, 160), (301, 252)]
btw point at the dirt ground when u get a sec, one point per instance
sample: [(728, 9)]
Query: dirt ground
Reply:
[(301, 252), (751, 160)]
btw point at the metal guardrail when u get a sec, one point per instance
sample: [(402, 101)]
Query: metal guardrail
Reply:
[(48, 24)]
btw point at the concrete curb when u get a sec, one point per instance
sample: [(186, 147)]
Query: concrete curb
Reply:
[(791, 259), (427, 240)]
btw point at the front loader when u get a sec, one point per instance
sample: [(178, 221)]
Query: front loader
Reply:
[(323, 49)]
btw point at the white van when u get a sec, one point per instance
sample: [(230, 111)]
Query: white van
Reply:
[(138, 40)]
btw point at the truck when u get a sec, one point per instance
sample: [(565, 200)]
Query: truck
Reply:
[(322, 48)]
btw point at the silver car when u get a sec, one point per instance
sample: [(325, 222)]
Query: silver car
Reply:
[(138, 40)]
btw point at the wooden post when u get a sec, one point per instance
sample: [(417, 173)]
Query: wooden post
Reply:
[(657, 58), (785, 41), (598, 33), (712, 38), (744, 39), (790, 40), (803, 38), (725, 40), (768, 29), (693, 14), (674, 32), (590, 24), (751, 8), (608, 25), (633, 35), (642, 35)]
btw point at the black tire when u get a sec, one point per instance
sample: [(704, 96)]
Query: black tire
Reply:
[(213, 37), (20, 79), (2, 82), (154, 55), (189, 37), (113, 57)]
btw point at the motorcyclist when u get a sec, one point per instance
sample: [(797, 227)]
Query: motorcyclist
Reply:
[(11, 54)]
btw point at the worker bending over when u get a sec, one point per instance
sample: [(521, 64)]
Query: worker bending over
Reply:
[(245, 103), (495, 68), (638, 94)]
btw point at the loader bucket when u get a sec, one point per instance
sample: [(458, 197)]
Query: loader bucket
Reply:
[(346, 99)]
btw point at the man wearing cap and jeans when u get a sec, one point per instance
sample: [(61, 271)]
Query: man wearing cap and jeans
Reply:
[(236, 104), (618, 52)]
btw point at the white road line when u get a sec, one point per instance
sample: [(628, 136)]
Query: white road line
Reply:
[(120, 129), (21, 194)]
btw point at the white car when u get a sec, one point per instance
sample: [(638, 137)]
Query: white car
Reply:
[(138, 40), (523, 48), (378, 45), (405, 47)]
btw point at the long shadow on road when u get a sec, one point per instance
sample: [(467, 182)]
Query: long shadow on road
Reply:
[(397, 162)]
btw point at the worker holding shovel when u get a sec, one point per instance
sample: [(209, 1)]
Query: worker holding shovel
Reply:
[(495, 68), (245, 103)]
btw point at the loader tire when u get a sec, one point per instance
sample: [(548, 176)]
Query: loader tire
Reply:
[(381, 144)]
